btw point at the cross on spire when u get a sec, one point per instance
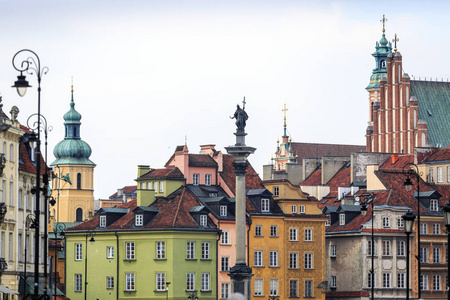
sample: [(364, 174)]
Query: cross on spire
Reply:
[(395, 40), (243, 103), (384, 20), (284, 110)]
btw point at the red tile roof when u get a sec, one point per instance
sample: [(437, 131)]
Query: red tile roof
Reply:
[(166, 173), (313, 150), (341, 179), (202, 160), (315, 178), (126, 190), (347, 294), (442, 154), (25, 163), (397, 162)]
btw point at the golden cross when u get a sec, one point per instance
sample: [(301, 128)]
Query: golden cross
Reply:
[(395, 40), (284, 110), (384, 20)]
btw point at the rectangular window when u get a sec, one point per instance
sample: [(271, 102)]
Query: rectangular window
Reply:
[(258, 230), (302, 209), (109, 252), (273, 231), (386, 247), (423, 228), (109, 282), (78, 251), (423, 255), (401, 248), (386, 280), (434, 205), (20, 199), (258, 287), (371, 248), (129, 248), (11, 192), (400, 222), (293, 260), (265, 205), (195, 179), (308, 235), (225, 264), (139, 220), (369, 280), (424, 282), (225, 238), (436, 282), (333, 251), (190, 250), (308, 288), (205, 282), (160, 281), (160, 250), (19, 248), (431, 175), (223, 210), (341, 219), (436, 255), (203, 220), (205, 250), (273, 258), (3, 191), (10, 246), (333, 281), (102, 222), (258, 259), (436, 228), (308, 260), (293, 236), (78, 283), (448, 174), (208, 179), (129, 282), (400, 280), (225, 291), (275, 191), (273, 287), (293, 288), (155, 184), (386, 222), (440, 174), (190, 281), (161, 186), (294, 209)]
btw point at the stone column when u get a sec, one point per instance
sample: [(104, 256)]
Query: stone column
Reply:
[(241, 273)]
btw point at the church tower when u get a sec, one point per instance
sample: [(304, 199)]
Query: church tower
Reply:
[(73, 185)]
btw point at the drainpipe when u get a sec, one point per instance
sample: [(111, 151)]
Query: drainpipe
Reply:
[(117, 274)]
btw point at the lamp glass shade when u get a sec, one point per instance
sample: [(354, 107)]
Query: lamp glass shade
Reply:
[(408, 219), (446, 210), (92, 240), (363, 209), (21, 85), (408, 184)]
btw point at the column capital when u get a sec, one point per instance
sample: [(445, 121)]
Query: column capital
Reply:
[(240, 168)]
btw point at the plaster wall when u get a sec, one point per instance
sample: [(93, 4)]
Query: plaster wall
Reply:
[(360, 161)]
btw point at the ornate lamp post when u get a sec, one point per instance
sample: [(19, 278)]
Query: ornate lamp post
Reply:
[(90, 233), (58, 229), (447, 225), (32, 65), (30, 223), (193, 296), (408, 218), (411, 170), (167, 290), (368, 199)]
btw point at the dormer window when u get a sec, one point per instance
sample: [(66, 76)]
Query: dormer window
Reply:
[(265, 205), (386, 222), (434, 205), (203, 220), (212, 195), (341, 219), (102, 221), (302, 209), (139, 220), (275, 191), (294, 209), (328, 221), (223, 211)]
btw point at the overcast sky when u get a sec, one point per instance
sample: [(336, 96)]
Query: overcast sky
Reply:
[(148, 74)]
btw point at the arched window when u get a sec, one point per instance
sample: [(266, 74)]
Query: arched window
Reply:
[(74, 132), (20, 200), (11, 152), (79, 216), (79, 181)]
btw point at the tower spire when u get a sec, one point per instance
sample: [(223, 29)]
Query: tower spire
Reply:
[(395, 40), (284, 110), (384, 20)]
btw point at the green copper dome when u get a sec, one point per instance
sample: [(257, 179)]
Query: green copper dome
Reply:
[(72, 150), (382, 49)]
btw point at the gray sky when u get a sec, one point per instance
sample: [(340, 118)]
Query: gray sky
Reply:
[(148, 73)]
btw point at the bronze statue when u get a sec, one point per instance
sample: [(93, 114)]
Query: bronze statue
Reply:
[(241, 117)]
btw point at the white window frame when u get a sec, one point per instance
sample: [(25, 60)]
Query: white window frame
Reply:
[(208, 179), (109, 252), (205, 282), (342, 219), (293, 234), (333, 251), (437, 282), (401, 244), (258, 258), (436, 228), (196, 179), (203, 220), (293, 288), (109, 282), (130, 283), (448, 174), (400, 223), (302, 209), (78, 252), (102, 221), (294, 209), (436, 255), (333, 282), (78, 286), (190, 281), (431, 175), (424, 282), (190, 250), (138, 220), (225, 238), (308, 261), (386, 222), (224, 290), (265, 205), (276, 191), (258, 289), (223, 211), (440, 174), (130, 253), (434, 205), (258, 230), (387, 280), (273, 287), (423, 255), (160, 250), (308, 288), (386, 244), (293, 260), (308, 235), (225, 264), (206, 250), (273, 258), (160, 281), (423, 228), (161, 186), (401, 280), (273, 231)]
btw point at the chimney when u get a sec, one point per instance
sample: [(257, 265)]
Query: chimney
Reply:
[(394, 158), (142, 169)]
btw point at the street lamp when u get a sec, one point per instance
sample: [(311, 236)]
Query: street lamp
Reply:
[(193, 296), (32, 65), (410, 170), (447, 224), (58, 229), (90, 233), (30, 223), (408, 219), (167, 290), (367, 199)]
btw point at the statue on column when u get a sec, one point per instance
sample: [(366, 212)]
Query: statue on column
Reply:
[(241, 117)]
